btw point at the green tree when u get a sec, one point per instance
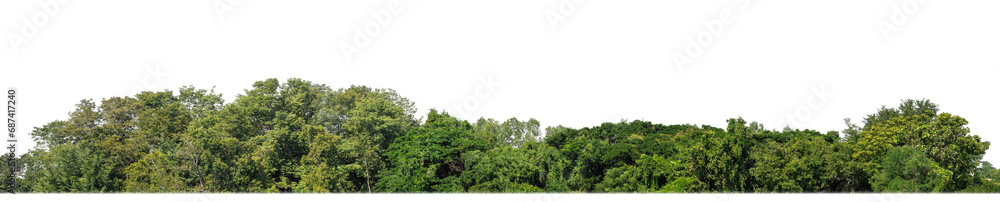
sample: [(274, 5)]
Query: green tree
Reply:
[(942, 137), (428, 158), (907, 169), (809, 163), (650, 174), (71, 168), (300, 136), (526, 169), (373, 125)]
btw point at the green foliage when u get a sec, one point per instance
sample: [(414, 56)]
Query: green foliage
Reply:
[(299, 136), (526, 165), (153, 173), (504, 186), (650, 174), (71, 168), (806, 164), (428, 158), (943, 138), (907, 169), (987, 171)]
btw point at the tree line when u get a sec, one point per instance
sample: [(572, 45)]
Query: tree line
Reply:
[(300, 136)]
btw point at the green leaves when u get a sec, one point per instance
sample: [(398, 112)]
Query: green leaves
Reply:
[(428, 158), (806, 164), (299, 136), (907, 169), (71, 168), (943, 138), (650, 174), (155, 172)]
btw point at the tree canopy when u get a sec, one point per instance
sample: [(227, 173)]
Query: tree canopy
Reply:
[(300, 136)]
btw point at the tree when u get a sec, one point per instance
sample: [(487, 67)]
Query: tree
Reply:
[(71, 168), (987, 171), (373, 125), (907, 169), (942, 137), (428, 158), (651, 174), (985, 179), (721, 159), (527, 169), (300, 136), (155, 172), (809, 163), (322, 170)]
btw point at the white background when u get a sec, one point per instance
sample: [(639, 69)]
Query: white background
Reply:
[(600, 61)]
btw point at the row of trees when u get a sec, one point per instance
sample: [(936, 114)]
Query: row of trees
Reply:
[(300, 136)]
